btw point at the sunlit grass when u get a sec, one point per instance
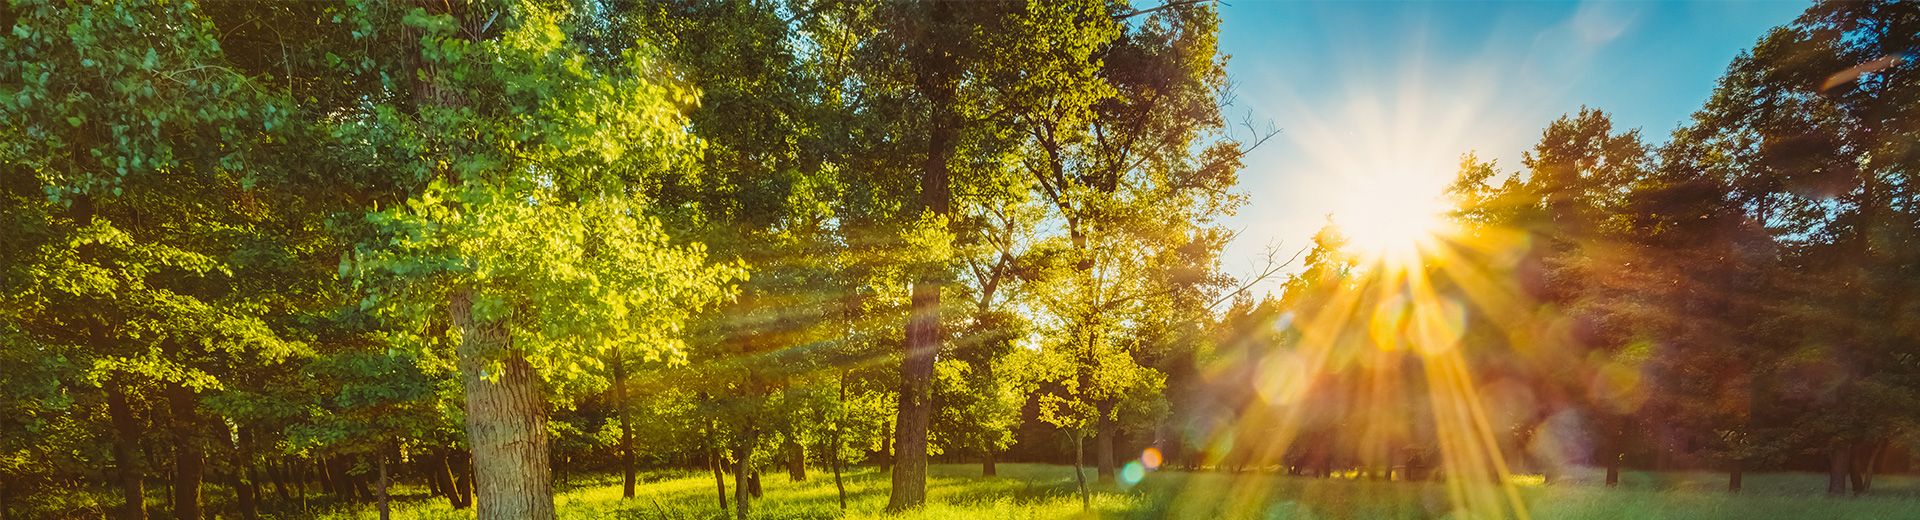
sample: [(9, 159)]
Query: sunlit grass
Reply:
[(1028, 491)]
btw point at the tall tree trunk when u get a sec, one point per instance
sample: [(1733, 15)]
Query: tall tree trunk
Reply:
[(441, 469), (299, 469), (463, 477), (986, 464), (742, 496), (1837, 469), (279, 478), (1103, 444), (189, 458), (1735, 472), (382, 457), (719, 477), (838, 424), (1079, 476), (324, 467), (133, 492), (837, 484), (626, 422), (427, 467), (506, 420), (243, 490), (938, 80)]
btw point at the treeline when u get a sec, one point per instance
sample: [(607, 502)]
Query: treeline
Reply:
[(265, 255), (1742, 297)]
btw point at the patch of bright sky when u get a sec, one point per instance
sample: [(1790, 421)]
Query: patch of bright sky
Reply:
[(1373, 93)]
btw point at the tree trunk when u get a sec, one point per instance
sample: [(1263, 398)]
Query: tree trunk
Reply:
[(626, 422), (986, 464), (427, 467), (1837, 469), (796, 460), (1079, 476), (742, 497), (837, 484), (719, 477), (506, 419), (243, 490), (361, 493), (1861, 468), (938, 83), (835, 449), (440, 469), (463, 477), (279, 478), (133, 492), (299, 469), (1735, 470), (382, 457), (323, 466), (1103, 444), (189, 458)]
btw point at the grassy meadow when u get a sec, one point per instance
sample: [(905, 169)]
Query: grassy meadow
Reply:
[(1026, 491)]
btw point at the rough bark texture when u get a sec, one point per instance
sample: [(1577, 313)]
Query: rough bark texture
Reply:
[(133, 491), (742, 498), (506, 420), (937, 82)]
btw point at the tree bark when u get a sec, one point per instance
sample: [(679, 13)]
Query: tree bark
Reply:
[(742, 497), (506, 420), (133, 492), (441, 470), (1837, 468), (1079, 454), (189, 458), (938, 80), (382, 458), (986, 464), (626, 422), (796, 460)]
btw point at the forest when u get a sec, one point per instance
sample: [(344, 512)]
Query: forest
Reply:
[(261, 257)]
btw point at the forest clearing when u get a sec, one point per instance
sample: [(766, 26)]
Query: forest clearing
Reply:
[(1041, 492)]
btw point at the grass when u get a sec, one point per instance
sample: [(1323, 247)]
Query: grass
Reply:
[(1030, 491)]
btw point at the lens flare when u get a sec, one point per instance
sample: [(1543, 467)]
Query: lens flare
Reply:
[(1150, 458), (1132, 473)]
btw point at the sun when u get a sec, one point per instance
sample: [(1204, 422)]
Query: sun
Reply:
[(1391, 220)]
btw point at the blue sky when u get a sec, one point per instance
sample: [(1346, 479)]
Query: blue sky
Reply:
[(1373, 94)]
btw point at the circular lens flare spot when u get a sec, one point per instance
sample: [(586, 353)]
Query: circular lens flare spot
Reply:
[(1150, 458), (1132, 473)]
